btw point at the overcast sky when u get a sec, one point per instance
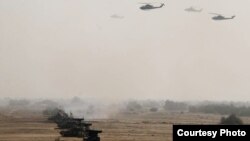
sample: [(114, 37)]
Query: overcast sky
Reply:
[(66, 48)]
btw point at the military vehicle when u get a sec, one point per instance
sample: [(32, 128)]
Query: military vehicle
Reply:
[(73, 127), (192, 9), (148, 6), (92, 135), (220, 17), (116, 16), (72, 132), (70, 122)]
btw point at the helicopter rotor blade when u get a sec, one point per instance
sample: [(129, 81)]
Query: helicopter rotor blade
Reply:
[(214, 14), (148, 2), (144, 3)]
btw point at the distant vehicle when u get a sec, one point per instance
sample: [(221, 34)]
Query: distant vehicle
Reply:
[(220, 17), (148, 6), (192, 9), (116, 16)]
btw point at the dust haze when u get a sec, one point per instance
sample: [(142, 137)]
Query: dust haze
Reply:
[(60, 49)]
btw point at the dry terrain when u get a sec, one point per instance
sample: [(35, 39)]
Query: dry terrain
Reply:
[(21, 125)]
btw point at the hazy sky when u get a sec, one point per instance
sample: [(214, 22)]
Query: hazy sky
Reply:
[(64, 48)]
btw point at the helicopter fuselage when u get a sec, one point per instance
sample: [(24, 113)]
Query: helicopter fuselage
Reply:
[(191, 9), (219, 17), (148, 7)]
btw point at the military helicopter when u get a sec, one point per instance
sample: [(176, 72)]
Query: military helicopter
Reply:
[(192, 9), (149, 6), (116, 16), (220, 17)]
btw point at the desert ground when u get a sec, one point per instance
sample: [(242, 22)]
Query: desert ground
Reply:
[(21, 125)]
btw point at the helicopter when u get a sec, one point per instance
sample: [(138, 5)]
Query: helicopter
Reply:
[(116, 16), (192, 9), (220, 17), (149, 6)]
